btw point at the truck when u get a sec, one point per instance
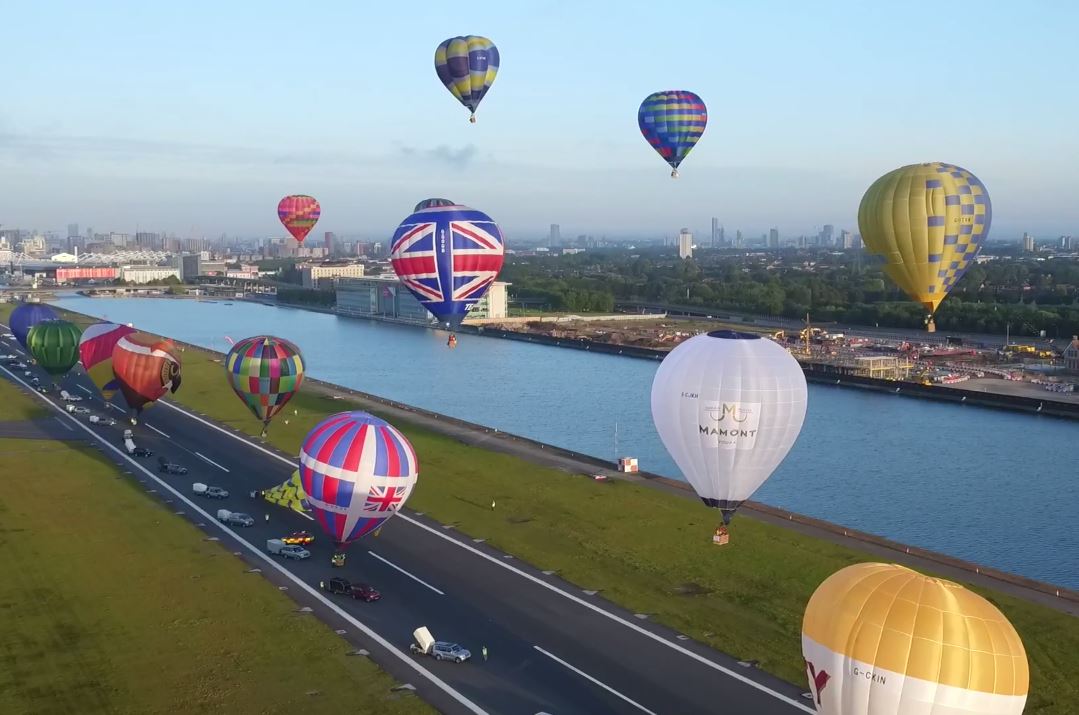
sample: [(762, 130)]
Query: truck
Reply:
[(425, 644), (68, 397), (209, 492), (129, 442), (288, 551), (235, 518)]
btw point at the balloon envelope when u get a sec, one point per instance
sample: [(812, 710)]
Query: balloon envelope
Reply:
[(357, 471), (146, 368), (928, 222), (430, 203), (27, 316), (672, 122), (299, 213), (54, 344), (447, 256), (728, 407), (881, 639), (467, 66), (265, 372), (95, 353)]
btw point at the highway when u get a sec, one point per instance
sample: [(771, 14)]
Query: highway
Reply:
[(553, 648)]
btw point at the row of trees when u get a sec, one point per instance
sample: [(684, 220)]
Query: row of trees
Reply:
[(1031, 295)]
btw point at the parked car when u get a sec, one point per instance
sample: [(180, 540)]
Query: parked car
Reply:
[(78, 410), (235, 518), (167, 467), (140, 452), (425, 644), (43, 390), (106, 421), (344, 587), (299, 537), (288, 551), (209, 492)]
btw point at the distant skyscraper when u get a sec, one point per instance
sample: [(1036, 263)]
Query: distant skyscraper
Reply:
[(827, 235), (715, 232), (554, 238), (846, 239), (330, 241), (738, 241), (1028, 242), (773, 238), (685, 244), (73, 229)]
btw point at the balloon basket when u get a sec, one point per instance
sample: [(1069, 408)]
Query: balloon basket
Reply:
[(930, 325), (721, 537)]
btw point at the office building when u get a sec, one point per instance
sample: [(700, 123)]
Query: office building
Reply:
[(827, 235), (188, 265), (72, 229), (715, 233), (846, 239), (773, 238), (1028, 242), (554, 238), (685, 244), (148, 274), (317, 276), (384, 296), (330, 241)]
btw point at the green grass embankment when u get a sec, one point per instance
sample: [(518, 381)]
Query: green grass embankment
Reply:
[(645, 549), (13, 406), (112, 604)]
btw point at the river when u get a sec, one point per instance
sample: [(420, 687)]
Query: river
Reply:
[(994, 487)]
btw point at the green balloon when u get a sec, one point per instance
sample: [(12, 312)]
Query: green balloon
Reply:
[(54, 344)]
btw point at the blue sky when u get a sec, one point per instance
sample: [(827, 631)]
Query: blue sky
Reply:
[(197, 117)]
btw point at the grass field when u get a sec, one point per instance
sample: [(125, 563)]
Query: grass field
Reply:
[(644, 549), (13, 406), (112, 604)]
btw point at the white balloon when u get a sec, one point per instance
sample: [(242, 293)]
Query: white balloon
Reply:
[(728, 407)]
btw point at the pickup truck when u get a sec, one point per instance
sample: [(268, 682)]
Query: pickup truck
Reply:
[(288, 551), (344, 587), (439, 650), (209, 492), (235, 518)]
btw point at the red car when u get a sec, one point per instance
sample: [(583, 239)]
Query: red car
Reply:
[(343, 587), (302, 538)]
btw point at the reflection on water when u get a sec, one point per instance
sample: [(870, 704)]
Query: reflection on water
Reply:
[(985, 485)]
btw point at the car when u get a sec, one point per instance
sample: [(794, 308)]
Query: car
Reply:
[(78, 410), (35, 381), (167, 467), (105, 421), (425, 644), (21, 365), (27, 374), (235, 518), (344, 587), (299, 537), (209, 492), (288, 551), (43, 390), (141, 452)]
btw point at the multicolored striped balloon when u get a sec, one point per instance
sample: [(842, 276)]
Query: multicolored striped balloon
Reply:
[(468, 67), (357, 471), (672, 122), (95, 353), (265, 372), (299, 213)]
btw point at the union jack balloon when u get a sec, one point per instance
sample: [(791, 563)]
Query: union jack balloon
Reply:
[(357, 471), (447, 256)]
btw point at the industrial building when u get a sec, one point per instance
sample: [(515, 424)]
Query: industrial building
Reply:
[(383, 296)]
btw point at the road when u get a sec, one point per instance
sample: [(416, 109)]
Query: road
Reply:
[(553, 648)]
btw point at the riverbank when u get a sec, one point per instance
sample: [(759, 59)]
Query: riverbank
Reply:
[(642, 541)]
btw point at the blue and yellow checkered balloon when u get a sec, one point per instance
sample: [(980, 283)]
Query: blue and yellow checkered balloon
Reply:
[(928, 221)]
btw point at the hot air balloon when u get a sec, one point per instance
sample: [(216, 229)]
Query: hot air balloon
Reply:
[(431, 203), (146, 369), (54, 345), (27, 316), (728, 407), (881, 639), (299, 213), (357, 471), (447, 256), (672, 122), (95, 353), (468, 67), (265, 372), (928, 221)]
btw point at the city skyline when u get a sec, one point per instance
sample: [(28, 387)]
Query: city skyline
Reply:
[(199, 129)]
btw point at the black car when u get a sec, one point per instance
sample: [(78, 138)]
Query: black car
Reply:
[(344, 587), (141, 452)]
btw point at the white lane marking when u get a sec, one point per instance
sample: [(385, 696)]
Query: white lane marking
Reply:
[(118, 409), (317, 594), (415, 578), (588, 677), (63, 424), (155, 429), (200, 454), (85, 390), (550, 587)]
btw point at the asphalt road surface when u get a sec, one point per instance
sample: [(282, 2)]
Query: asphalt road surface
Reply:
[(552, 648)]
